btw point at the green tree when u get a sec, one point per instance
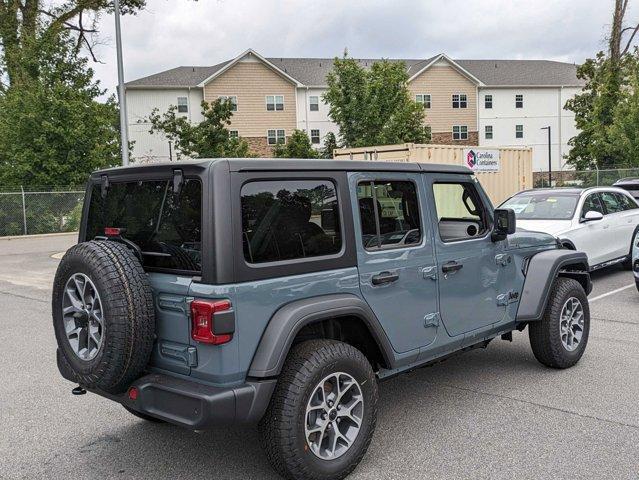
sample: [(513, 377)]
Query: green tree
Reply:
[(297, 146), (374, 106), (330, 144), (208, 139), (53, 131), (623, 133)]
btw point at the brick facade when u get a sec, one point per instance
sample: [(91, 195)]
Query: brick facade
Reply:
[(259, 146), (446, 138)]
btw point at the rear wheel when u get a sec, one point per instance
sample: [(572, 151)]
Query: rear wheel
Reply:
[(627, 264), (323, 412), (559, 339)]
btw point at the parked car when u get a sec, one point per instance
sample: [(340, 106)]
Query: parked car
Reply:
[(635, 260), (219, 292), (629, 184), (601, 222)]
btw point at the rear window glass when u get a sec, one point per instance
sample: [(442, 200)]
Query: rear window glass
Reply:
[(286, 220), (167, 227)]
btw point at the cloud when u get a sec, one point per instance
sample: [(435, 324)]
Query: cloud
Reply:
[(170, 33)]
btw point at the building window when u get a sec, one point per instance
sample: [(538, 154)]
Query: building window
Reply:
[(488, 101), (183, 105), (274, 102), (488, 132), (424, 99), (233, 100), (234, 134), (460, 100), (276, 136), (460, 132), (315, 136), (519, 131), (519, 101), (313, 103)]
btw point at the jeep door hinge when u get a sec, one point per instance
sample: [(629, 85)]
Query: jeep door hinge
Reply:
[(429, 273), (503, 259), (431, 320)]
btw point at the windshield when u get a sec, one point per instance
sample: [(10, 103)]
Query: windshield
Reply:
[(165, 226), (543, 206)]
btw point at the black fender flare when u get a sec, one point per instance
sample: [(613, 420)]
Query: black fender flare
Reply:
[(289, 320), (542, 270), (565, 241)]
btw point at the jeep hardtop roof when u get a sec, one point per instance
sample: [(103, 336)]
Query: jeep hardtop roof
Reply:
[(270, 164)]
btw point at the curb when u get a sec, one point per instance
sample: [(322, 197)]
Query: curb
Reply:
[(42, 235)]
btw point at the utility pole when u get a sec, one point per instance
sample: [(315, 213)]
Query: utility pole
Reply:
[(124, 129), (549, 157)]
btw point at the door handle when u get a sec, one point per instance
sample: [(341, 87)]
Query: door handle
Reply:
[(450, 267), (384, 278)]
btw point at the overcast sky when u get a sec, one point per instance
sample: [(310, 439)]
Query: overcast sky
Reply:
[(170, 33)]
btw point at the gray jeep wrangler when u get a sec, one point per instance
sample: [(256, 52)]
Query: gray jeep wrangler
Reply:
[(280, 292)]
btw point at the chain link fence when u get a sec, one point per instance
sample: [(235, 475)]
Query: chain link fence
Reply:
[(584, 178), (40, 210)]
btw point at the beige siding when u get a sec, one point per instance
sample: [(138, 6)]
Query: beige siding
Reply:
[(251, 82), (515, 173), (441, 82)]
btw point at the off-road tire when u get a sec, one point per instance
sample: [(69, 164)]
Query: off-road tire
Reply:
[(143, 416), (282, 427), (127, 310), (544, 335)]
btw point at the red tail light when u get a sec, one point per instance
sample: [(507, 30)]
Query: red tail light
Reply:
[(203, 316), (112, 231)]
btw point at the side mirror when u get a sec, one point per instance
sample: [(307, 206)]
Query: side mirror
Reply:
[(592, 216), (505, 224)]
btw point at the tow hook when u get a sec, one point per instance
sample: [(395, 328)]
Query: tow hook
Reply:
[(78, 390)]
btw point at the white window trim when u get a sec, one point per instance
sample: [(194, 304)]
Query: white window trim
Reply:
[(486, 132), (237, 134), (319, 136), (459, 100), (423, 101), (184, 105), (276, 130), (310, 103), (229, 97), (517, 131), (487, 101), (274, 102), (460, 132), (522, 100)]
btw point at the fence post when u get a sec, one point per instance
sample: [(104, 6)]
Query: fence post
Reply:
[(24, 210)]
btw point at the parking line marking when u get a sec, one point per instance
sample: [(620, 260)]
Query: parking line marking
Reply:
[(604, 295)]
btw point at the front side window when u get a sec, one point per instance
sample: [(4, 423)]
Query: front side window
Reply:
[(460, 132), (233, 100), (274, 102), (519, 101), (276, 136), (315, 136), (165, 225), (290, 219), (488, 101), (389, 214), (461, 214), (460, 100), (488, 132), (519, 131), (313, 101), (592, 203), (424, 99), (182, 105)]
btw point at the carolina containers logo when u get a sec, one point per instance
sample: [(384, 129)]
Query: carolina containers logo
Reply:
[(482, 160)]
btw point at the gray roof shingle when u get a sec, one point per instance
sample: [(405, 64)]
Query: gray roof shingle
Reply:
[(313, 71)]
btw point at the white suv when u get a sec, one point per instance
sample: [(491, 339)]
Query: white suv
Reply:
[(601, 221)]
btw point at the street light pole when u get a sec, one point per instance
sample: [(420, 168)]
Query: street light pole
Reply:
[(549, 157), (124, 133)]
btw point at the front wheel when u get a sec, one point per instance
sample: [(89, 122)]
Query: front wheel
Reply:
[(322, 415), (559, 339)]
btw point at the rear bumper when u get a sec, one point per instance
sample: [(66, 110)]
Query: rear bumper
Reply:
[(196, 406)]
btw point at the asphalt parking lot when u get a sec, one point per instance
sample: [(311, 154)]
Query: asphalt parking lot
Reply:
[(493, 413)]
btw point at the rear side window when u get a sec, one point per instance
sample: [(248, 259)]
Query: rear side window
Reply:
[(389, 213), (287, 220), (166, 226), (612, 202), (460, 212), (626, 202)]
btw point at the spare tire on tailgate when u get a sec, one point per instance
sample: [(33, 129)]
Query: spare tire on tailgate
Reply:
[(103, 315)]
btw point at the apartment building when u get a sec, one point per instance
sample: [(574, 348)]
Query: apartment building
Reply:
[(467, 102)]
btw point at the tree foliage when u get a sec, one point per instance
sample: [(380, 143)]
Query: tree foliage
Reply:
[(373, 106), (53, 132), (297, 146), (330, 144), (207, 139)]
